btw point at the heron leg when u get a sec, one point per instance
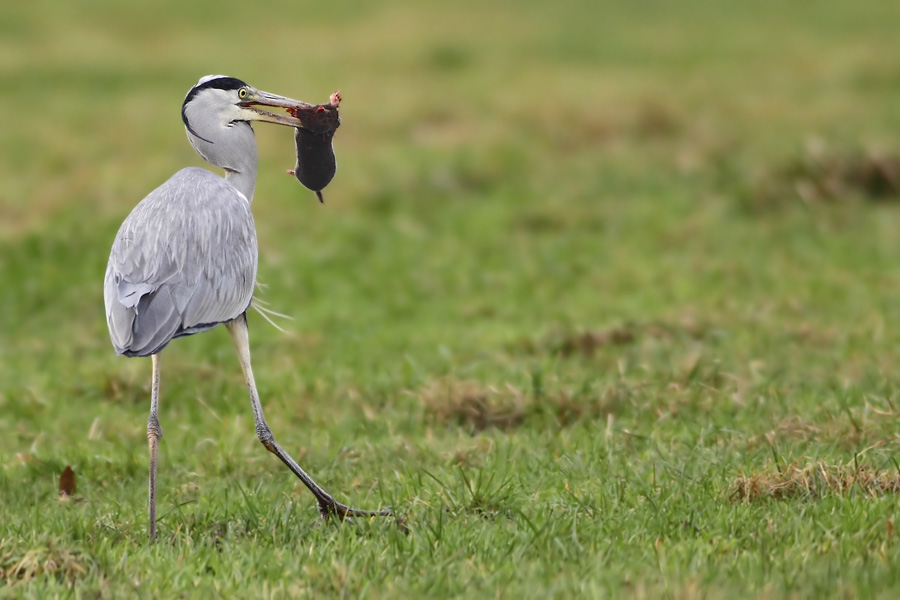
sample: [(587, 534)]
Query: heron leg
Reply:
[(328, 506), (154, 434)]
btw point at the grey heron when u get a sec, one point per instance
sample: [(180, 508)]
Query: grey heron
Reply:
[(185, 259)]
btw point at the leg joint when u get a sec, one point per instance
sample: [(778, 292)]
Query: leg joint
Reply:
[(153, 428), (266, 438)]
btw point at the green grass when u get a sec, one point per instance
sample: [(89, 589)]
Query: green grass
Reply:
[(595, 300)]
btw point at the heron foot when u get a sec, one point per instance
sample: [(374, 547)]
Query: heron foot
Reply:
[(341, 511)]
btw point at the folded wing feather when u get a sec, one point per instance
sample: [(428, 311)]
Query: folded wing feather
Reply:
[(183, 261)]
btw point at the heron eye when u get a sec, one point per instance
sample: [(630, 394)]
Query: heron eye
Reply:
[(242, 93)]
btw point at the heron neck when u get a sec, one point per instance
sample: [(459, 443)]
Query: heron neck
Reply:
[(244, 181), (231, 147)]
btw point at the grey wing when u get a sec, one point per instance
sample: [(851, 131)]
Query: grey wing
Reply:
[(183, 261)]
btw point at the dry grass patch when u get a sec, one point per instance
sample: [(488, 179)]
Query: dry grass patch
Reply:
[(848, 427), (477, 406), (62, 564), (815, 481), (471, 405), (588, 342), (818, 176)]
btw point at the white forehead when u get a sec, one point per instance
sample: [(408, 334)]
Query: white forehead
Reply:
[(206, 78)]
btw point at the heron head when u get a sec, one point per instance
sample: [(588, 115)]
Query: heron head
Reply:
[(220, 101)]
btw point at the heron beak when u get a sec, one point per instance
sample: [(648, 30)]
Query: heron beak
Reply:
[(258, 100)]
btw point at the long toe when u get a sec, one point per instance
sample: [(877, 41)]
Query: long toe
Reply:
[(336, 509)]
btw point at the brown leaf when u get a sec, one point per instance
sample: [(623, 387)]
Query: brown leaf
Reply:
[(67, 483)]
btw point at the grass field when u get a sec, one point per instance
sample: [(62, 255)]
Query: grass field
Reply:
[(603, 299)]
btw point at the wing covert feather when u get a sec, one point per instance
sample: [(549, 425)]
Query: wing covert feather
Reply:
[(185, 258)]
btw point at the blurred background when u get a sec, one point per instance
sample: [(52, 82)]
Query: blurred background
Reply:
[(629, 263), (515, 180)]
